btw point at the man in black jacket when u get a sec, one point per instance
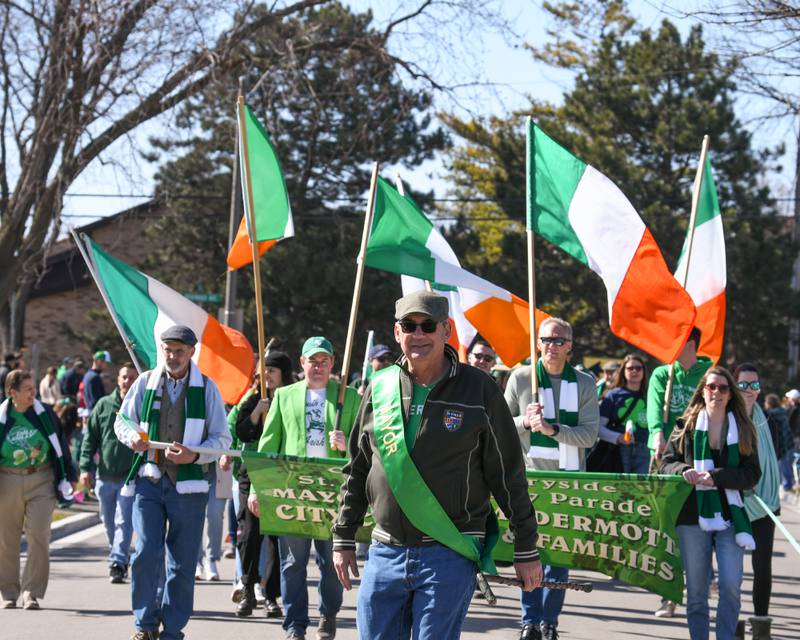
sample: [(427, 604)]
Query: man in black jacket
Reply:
[(434, 438)]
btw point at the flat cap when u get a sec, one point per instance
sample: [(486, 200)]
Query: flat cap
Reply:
[(179, 333), (424, 302), (611, 366)]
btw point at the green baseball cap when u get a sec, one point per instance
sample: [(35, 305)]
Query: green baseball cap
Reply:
[(317, 344)]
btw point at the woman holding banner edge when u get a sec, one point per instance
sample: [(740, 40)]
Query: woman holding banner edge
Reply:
[(714, 448)]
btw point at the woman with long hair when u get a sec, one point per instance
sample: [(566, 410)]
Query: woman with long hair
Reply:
[(623, 415), (714, 448)]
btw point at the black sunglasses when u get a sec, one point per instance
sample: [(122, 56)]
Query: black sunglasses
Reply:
[(409, 326), (743, 384), (558, 342), (722, 388)]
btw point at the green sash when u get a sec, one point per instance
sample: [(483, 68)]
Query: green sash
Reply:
[(419, 505)]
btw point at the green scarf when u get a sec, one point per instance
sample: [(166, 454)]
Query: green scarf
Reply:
[(64, 486), (190, 476), (543, 446), (709, 503), (419, 505)]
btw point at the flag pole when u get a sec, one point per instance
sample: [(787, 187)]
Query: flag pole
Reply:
[(365, 366), (351, 327), (251, 226), (698, 181), (103, 294), (529, 185)]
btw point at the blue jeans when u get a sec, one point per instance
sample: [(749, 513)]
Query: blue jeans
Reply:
[(544, 605), (786, 470), (635, 457), (294, 554), (115, 512), (420, 592), (696, 548), (215, 515), (156, 505)]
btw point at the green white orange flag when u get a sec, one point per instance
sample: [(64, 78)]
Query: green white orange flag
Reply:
[(577, 208), (145, 307), (261, 178), (404, 241), (707, 268)]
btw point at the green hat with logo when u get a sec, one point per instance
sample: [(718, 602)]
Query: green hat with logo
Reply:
[(317, 344)]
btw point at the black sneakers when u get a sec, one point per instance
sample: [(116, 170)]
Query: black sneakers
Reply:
[(272, 609), (549, 631), (117, 573), (530, 632)]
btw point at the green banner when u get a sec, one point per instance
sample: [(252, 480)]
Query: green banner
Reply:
[(620, 525)]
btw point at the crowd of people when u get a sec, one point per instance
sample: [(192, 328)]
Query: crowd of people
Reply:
[(427, 441)]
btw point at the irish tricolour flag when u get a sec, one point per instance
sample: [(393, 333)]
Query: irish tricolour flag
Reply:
[(707, 268), (262, 178), (144, 308), (403, 240), (581, 211)]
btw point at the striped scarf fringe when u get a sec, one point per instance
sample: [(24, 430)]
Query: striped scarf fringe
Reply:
[(543, 446), (709, 503)]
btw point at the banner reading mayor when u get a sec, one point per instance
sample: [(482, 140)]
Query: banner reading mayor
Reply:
[(617, 524)]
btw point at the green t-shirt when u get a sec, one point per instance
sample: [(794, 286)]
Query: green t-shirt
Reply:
[(418, 398), (24, 446)]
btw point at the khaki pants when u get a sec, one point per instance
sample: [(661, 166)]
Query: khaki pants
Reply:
[(27, 500)]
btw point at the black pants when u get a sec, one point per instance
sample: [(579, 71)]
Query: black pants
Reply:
[(764, 535), (248, 542)]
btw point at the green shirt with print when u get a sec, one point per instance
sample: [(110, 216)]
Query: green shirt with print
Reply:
[(24, 446)]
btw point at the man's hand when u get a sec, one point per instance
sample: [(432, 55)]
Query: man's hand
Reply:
[(260, 410), (534, 414), (705, 479), (138, 443), (338, 440), (252, 504), (659, 443), (530, 573), (345, 562), (86, 479), (179, 454), (225, 462), (691, 476)]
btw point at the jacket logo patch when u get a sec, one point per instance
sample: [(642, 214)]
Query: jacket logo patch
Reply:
[(453, 419)]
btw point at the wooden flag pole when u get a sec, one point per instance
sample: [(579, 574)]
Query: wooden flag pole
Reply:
[(251, 226), (698, 181), (529, 186), (351, 326)]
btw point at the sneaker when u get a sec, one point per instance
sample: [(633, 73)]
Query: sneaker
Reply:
[(145, 635), (116, 574), (258, 590), (212, 575), (530, 632), (666, 610), (327, 628), (29, 602), (230, 552), (238, 593), (272, 609), (549, 631), (198, 571), (8, 604)]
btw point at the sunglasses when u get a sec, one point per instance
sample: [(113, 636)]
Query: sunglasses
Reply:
[(409, 326), (634, 367), (743, 385), (558, 342), (722, 388), (387, 357), (483, 357)]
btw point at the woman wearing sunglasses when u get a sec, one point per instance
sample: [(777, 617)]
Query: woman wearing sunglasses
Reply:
[(714, 448), (747, 380)]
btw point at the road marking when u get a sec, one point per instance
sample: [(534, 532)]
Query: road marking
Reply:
[(78, 537)]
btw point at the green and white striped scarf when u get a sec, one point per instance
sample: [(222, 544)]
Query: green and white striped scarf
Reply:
[(64, 485), (709, 503), (190, 476), (543, 446)]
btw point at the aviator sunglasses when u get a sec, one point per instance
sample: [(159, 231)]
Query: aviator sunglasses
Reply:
[(722, 388)]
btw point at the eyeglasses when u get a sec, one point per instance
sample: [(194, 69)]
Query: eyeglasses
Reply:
[(633, 367), (722, 388), (558, 342), (409, 326), (743, 385), (483, 357)]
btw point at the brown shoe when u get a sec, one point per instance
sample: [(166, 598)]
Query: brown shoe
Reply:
[(327, 628), (29, 602)]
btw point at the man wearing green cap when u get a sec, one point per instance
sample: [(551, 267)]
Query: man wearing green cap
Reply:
[(300, 423), (93, 388)]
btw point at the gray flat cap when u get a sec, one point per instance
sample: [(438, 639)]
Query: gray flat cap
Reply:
[(179, 333), (422, 301)]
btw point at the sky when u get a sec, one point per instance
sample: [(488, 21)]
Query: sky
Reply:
[(497, 58)]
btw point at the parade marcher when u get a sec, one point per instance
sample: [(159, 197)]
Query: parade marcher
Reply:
[(714, 448), (482, 356), (71, 382), (554, 434), (623, 415), (50, 388), (768, 489), (777, 415), (115, 461), (209, 555), (35, 470), (10, 363), (173, 403), (93, 388), (434, 440), (65, 365), (247, 423), (300, 423), (606, 382), (380, 357)]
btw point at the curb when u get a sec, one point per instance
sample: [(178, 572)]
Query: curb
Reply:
[(72, 524)]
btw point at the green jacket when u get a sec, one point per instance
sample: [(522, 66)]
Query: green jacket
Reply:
[(285, 426), (683, 386), (115, 457)]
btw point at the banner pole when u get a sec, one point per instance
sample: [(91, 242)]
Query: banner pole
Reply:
[(251, 227), (698, 180), (351, 326), (530, 197), (365, 366)]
